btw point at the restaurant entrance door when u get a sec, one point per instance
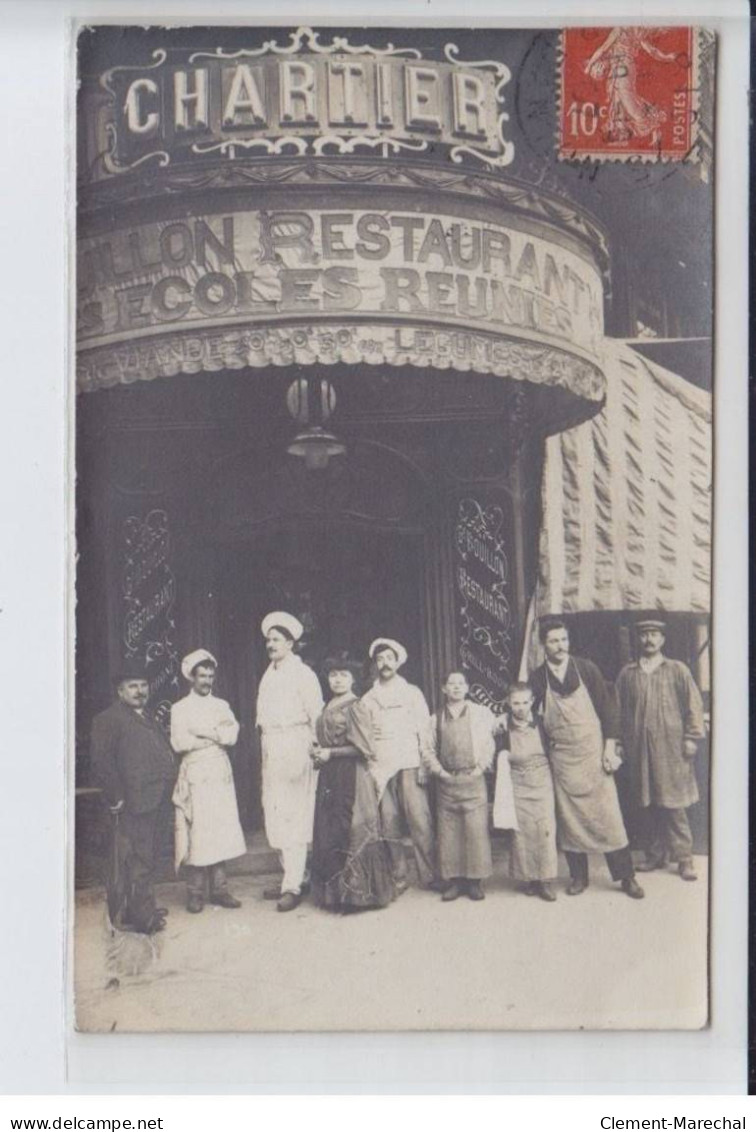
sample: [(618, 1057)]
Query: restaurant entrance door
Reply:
[(347, 583)]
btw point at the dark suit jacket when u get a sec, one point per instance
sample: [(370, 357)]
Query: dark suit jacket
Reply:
[(603, 700), (131, 758)]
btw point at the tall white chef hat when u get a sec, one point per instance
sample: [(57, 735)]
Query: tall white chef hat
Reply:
[(286, 621), (386, 643), (192, 659)]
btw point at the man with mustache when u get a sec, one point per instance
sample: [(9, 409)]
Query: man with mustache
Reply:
[(399, 730), (579, 719), (662, 723), (133, 764), (289, 702)]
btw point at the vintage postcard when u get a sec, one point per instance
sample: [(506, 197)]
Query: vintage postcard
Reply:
[(393, 498)]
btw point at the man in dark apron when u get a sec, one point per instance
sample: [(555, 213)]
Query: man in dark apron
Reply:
[(580, 722)]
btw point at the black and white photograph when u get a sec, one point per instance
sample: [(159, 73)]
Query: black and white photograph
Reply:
[(393, 500)]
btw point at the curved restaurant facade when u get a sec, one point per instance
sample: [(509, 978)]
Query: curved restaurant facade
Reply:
[(326, 322)]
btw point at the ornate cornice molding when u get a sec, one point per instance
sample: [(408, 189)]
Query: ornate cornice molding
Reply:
[(424, 176)]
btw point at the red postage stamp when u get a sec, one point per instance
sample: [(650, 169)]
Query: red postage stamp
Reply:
[(628, 93)]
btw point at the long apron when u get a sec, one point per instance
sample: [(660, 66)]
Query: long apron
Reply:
[(208, 830), (464, 843), (588, 813), (533, 850), (289, 782)]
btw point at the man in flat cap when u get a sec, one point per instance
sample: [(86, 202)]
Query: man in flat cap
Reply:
[(579, 718), (134, 766), (661, 725), (399, 729), (289, 702), (208, 832)]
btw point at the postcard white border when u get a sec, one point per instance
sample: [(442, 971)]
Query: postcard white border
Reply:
[(40, 1052)]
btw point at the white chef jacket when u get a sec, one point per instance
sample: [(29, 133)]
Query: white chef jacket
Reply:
[(400, 728), (208, 830), (289, 695)]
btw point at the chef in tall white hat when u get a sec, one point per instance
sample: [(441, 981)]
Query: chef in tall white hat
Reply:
[(208, 831), (400, 736), (289, 702)]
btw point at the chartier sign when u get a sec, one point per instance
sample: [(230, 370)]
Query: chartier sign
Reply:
[(307, 205), (262, 287), (302, 97)]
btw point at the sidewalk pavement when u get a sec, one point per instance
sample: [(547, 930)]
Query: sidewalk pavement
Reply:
[(599, 960)]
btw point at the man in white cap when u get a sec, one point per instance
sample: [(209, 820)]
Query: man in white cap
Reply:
[(208, 832), (289, 702), (401, 740), (661, 725)]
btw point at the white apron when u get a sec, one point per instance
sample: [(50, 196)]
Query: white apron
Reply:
[(289, 781), (207, 817), (589, 819)]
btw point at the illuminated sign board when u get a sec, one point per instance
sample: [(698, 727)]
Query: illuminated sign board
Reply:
[(302, 97)]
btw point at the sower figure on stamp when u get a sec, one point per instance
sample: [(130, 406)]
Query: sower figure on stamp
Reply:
[(133, 764), (533, 860), (208, 832), (289, 703), (463, 745), (399, 729), (579, 718), (661, 715)]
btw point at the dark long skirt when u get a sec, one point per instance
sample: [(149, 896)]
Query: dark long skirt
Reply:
[(351, 867)]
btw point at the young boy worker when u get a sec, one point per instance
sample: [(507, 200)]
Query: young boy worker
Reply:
[(463, 747)]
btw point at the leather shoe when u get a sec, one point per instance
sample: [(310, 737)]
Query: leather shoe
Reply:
[(288, 902), (451, 892), (632, 888), (435, 885), (156, 924), (225, 900), (194, 903), (475, 890), (648, 866), (687, 871), (575, 887), (545, 891)]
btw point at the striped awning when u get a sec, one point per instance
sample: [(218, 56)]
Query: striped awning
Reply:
[(626, 498)]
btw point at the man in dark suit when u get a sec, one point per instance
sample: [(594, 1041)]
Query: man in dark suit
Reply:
[(133, 764)]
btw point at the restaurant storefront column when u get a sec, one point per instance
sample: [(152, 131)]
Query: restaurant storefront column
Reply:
[(289, 215)]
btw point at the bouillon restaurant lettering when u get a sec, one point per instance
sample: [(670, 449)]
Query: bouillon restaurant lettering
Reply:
[(267, 265), (277, 99)]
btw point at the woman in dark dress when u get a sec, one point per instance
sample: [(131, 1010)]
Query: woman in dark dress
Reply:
[(351, 867)]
